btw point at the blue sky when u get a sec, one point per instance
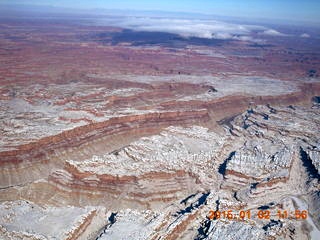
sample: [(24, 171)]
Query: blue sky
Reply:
[(298, 10)]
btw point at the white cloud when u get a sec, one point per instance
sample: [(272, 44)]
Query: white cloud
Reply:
[(305, 35), (272, 32), (209, 29)]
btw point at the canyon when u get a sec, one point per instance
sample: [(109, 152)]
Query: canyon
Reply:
[(104, 140)]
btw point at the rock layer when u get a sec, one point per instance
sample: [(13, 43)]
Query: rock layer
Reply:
[(264, 154)]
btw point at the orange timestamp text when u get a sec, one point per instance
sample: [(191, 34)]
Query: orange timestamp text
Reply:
[(260, 214)]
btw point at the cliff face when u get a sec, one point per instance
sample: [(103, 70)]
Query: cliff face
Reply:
[(131, 176), (36, 155), (177, 112), (112, 126), (229, 105), (150, 190), (46, 155), (264, 154), (273, 159)]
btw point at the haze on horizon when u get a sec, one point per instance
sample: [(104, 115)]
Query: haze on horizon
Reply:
[(294, 10)]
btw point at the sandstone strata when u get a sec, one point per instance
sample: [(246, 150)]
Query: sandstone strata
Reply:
[(109, 140), (263, 154)]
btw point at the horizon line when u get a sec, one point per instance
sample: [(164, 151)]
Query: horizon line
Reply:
[(208, 15)]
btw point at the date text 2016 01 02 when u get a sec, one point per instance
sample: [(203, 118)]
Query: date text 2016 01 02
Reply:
[(261, 214)]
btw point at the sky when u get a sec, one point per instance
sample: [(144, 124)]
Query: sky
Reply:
[(297, 10)]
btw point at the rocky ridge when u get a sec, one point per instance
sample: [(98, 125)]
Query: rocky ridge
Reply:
[(265, 159)]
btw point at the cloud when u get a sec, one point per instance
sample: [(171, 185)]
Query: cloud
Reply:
[(305, 35), (209, 29), (272, 32)]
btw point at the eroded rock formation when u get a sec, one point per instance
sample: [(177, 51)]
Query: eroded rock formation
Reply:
[(266, 158), (104, 140)]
